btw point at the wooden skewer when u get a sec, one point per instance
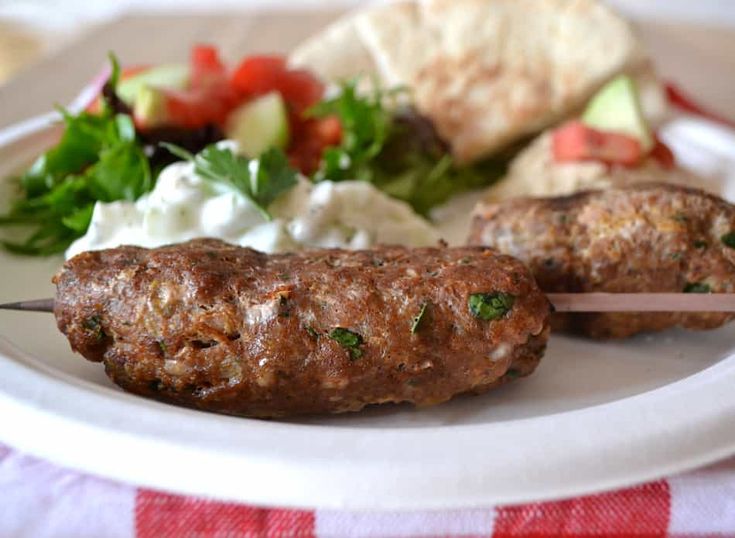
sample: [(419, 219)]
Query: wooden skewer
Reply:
[(643, 302), (563, 302), (38, 305)]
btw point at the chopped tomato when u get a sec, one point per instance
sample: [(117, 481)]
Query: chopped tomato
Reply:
[(206, 67), (257, 75), (200, 106), (300, 89), (575, 141), (214, 93), (663, 154), (329, 130), (309, 140), (305, 154)]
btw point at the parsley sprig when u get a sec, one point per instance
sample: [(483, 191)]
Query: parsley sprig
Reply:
[(260, 180)]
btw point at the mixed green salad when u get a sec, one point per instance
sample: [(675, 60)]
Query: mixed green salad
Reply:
[(284, 121)]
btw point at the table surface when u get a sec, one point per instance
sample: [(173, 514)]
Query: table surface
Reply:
[(699, 58)]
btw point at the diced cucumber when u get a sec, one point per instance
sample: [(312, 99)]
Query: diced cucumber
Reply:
[(616, 108), (259, 125), (150, 107), (174, 76)]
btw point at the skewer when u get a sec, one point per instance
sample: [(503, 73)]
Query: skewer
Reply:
[(38, 305), (643, 302), (563, 302)]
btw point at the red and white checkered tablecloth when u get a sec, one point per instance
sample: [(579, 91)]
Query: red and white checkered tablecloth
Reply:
[(41, 500)]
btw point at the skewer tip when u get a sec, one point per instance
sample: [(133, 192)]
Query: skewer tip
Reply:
[(38, 305)]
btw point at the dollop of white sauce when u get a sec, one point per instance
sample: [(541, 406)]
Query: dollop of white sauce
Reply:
[(183, 206)]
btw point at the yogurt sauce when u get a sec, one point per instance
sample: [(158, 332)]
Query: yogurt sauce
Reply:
[(183, 206)]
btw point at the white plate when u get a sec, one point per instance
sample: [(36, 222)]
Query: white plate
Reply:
[(594, 416)]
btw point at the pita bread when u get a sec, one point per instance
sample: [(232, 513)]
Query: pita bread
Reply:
[(336, 53), (487, 72)]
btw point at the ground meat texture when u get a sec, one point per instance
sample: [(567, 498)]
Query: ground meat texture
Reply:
[(648, 238), (228, 329)]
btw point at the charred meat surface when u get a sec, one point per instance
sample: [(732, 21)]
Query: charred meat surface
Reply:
[(228, 329), (648, 238)]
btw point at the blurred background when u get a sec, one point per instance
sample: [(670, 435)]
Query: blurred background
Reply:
[(60, 44)]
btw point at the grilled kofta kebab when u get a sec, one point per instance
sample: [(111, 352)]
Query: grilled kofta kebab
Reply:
[(646, 238), (229, 329)]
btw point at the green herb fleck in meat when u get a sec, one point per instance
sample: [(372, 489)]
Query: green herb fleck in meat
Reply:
[(700, 244), (349, 340), (697, 287), (312, 332), (512, 374), (729, 239), (94, 325), (419, 318), (490, 306)]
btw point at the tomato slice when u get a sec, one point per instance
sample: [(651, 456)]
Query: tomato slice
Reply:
[(575, 141), (206, 67), (257, 75)]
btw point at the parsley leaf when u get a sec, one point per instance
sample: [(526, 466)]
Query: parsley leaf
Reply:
[(97, 158), (349, 340), (260, 180), (490, 306), (365, 126), (82, 140), (728, 239), (274, 175), (416, 322), (697, 287)]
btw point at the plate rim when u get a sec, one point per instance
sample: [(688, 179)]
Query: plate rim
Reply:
[(92, 417)]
